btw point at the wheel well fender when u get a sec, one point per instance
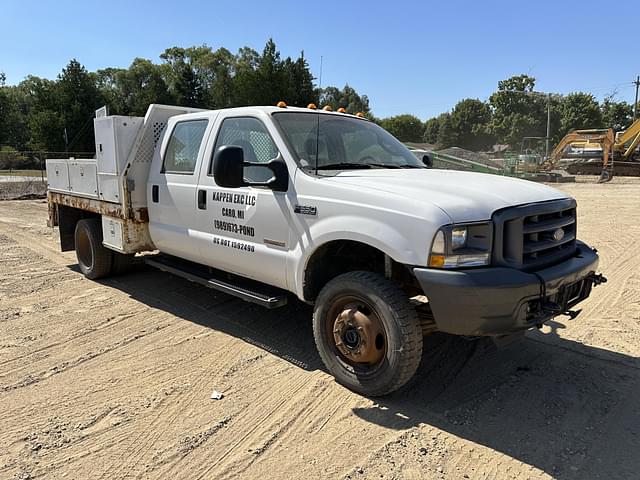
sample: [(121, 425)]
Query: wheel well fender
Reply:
[(67, 218)]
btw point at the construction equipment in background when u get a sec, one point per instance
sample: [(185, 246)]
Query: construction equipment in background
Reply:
[(621, 147)]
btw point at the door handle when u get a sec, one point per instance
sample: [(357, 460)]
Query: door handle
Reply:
[(202, 199), (154, 193)]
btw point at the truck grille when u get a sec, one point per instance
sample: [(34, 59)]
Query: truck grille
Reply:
[(535, 236)]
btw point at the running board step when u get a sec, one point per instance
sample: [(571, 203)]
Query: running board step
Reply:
[(244, 288)]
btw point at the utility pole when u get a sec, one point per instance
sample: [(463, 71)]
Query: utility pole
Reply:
[(548, 139), (635, 104), (320, 83)]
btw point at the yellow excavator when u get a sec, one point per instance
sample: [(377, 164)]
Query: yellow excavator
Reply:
[(622, 146)]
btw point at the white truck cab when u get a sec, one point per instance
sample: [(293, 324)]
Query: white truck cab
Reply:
[(269, 202)]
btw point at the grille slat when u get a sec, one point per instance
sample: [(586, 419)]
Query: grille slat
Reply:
[(536, 227), (532, 247)]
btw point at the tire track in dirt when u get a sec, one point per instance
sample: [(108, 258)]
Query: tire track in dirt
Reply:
[(143, 410)]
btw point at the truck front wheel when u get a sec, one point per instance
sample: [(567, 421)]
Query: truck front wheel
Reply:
[(94, 259), (367, 333)]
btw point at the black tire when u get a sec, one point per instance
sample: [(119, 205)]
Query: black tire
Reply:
[(403, 335), (94, 259)]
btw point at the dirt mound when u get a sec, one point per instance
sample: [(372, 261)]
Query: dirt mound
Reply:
[(477, 157)]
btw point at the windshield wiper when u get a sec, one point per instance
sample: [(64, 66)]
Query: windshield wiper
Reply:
[(392, 165), (361, 166), (343, 166)]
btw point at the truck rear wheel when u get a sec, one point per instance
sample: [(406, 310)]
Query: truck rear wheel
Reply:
[(367, 333), (94, 259)]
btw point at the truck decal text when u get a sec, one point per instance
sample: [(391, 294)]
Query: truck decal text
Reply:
[(234, 228), (225, 242), (236, 198)]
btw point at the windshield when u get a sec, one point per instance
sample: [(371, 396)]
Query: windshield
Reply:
[(330, 142)]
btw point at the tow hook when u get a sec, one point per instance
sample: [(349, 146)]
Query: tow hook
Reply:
[(597, 279)]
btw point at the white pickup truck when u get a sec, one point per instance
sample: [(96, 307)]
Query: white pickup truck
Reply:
[(269, 202)]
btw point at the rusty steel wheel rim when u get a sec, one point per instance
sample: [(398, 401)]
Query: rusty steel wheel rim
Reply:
[(356, 331)]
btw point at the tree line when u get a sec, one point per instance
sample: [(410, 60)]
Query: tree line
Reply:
[(40, 114), (513, 112), (57, 115)]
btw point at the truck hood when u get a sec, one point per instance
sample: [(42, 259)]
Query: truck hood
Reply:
[(463, 196)]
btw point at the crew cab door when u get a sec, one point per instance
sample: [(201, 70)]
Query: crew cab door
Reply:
[(172, 186), (244, 230)]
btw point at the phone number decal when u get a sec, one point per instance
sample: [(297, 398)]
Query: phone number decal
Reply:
[(234, 228)]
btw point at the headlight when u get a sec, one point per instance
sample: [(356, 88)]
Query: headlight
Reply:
[(462, 246), (458, 237)]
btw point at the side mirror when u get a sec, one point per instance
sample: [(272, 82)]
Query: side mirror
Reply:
[(228, 170), (228, 166), (426, 159)]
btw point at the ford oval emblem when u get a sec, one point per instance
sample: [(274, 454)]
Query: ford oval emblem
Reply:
[(558, 234)]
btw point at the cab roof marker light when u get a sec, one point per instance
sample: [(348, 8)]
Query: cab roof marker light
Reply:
[(281, 104), (342, 110), (312, 106), (327, 108), (360, 114)]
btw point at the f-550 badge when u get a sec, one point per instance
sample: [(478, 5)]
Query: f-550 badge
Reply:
[(306, 210)]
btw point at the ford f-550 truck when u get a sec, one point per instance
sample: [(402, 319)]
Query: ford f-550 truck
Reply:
[(267, 203)]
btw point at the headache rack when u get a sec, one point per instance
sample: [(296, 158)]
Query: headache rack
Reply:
[(535, 236)]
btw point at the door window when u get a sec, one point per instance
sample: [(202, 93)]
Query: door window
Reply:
[(183, 148), (257, 145)]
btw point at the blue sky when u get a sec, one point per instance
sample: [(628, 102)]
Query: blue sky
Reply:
[(417, 57)]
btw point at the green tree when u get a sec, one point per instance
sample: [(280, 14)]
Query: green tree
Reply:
[(516, 112), (579, 111), (11, 159), (108, 83), (270, 76), (446, 133), (36, 113), (617, 115), (141, 85), (346, 98), (41, 102), (14, 129), (299, 88), (431, 129), (469, 124), (406, 128), (220, 93), (185, 86), (77, 99), (245, 82)]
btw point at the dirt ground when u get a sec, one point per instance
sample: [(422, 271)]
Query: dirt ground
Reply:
[(112, 379)]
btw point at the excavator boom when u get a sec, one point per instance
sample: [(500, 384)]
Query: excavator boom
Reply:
[(630, 136), (623, 145), (605, 138)]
